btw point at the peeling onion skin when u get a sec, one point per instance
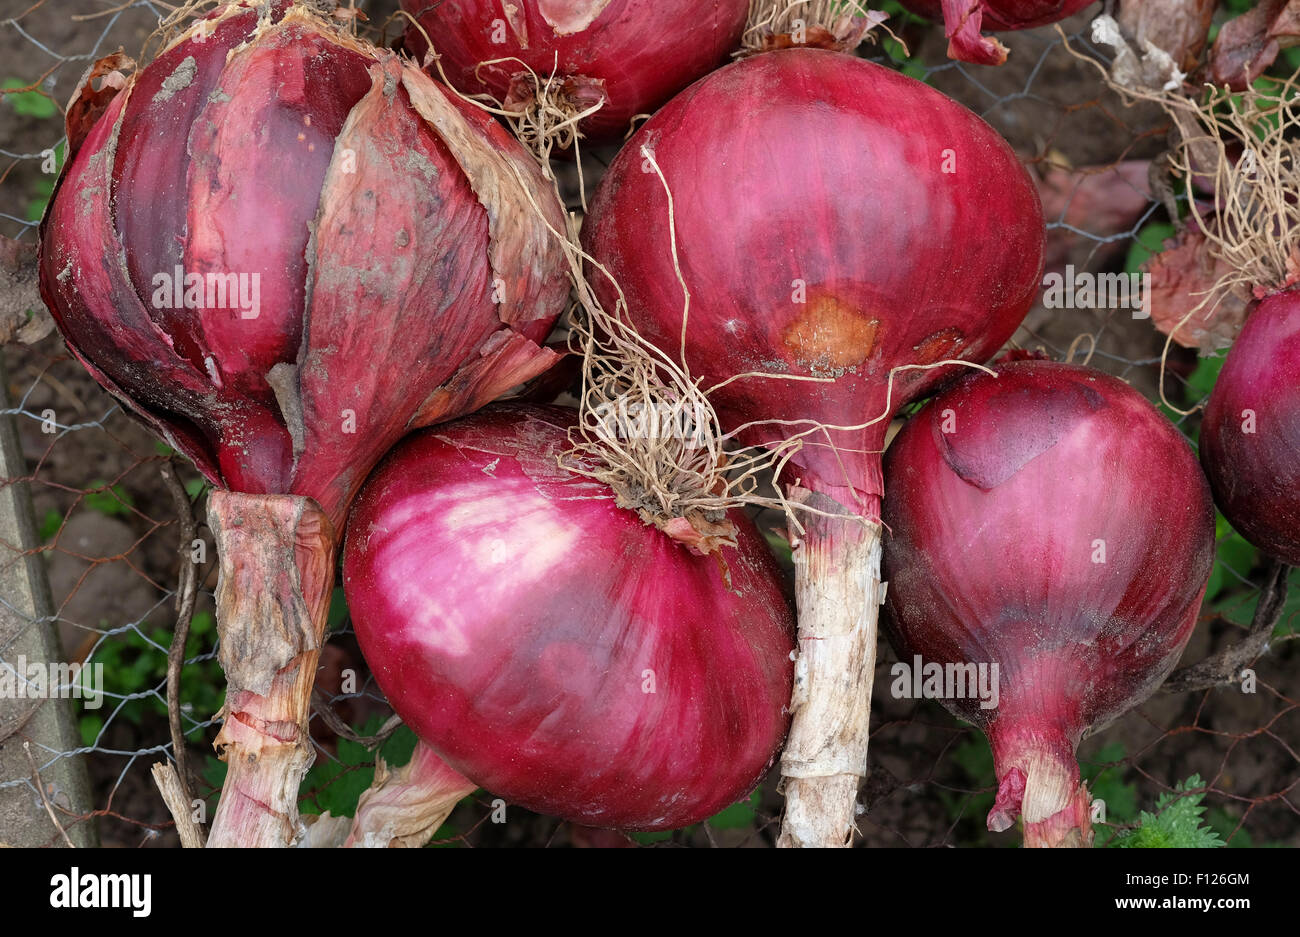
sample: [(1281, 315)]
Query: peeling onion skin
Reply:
[(812, 165), (990, 553), (511, 614), (637, 53), (1256, 475), (286, 149), (963, 20)]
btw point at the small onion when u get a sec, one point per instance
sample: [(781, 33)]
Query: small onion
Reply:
[(1250, 437), (631, 54), (551, 646), (1051, 522)]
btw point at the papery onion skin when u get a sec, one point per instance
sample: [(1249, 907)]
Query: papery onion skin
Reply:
[(288, 151), (963, 20), (636, 54), (551, 646), (1061, 529), (816, 168), (1250, 436)]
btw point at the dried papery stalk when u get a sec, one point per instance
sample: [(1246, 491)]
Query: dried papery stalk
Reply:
[(548, 116), (838, 592), (404, 806), (543, 113), (1255, 228), (1255, 225), (826, 24), (273, 596), (1240, 146)]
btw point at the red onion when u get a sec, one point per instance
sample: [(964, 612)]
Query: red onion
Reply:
[(833, 220), (631, 54), (263, 228), (1052, 523), (326, 177), (551, 646), (1250, 437), (963, 20)]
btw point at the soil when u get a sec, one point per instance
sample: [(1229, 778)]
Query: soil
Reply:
[(111, 568)]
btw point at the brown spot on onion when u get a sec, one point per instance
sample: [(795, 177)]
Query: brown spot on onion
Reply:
[(830, 335), (945, 343)]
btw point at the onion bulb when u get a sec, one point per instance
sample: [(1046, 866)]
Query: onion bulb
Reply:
[(552, 647), (1051, 527)]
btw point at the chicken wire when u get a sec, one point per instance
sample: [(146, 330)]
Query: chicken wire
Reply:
[(111, 535)]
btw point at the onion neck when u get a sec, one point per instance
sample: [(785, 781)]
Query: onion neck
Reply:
[(837, 585), (1038, 780), (405, 807), (276, 556)]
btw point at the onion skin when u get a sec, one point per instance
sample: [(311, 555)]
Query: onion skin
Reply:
[(963, 20), (513, 616), (991, 558), (636, 54), (288, 150), (1255, 475), (904, 263)]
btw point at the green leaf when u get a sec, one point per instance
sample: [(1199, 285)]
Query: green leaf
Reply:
[(1234, 556), (1150, 240), (400, 746), (341, 794), (779, 546), (1206, 374), (445, 832), (90, 725), (214, 771), (1108, 784), (29, 103), (1178, 822), (338, 785), (110, 501), (338, 609), (975, 759), (1223, 823), (1240, 608), (35, 210), (738, 815), (50, 525), (202, 623)]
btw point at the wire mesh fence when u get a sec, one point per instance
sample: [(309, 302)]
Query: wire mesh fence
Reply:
[(107, 531)]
